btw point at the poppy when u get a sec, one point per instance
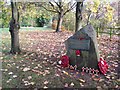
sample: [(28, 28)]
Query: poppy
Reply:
[(65, 61), (103, 66), (77, 52)]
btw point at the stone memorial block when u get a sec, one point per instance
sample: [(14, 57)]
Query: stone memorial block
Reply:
[(84, 40), (77, 44)]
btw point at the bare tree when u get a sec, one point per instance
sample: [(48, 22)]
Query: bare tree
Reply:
[(58, 7), (14, 28)]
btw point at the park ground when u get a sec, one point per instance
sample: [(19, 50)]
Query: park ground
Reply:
[(36, 66)]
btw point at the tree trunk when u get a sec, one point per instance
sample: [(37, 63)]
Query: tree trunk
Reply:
[(14, 29), (89, 14), (78, 15), (59, 23), (14, 41)]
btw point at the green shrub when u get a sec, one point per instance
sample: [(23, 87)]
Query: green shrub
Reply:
[(41, 21)]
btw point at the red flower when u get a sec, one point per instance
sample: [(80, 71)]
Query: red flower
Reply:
[(65, 61), (78, 52), (103, 66), (82, 38)]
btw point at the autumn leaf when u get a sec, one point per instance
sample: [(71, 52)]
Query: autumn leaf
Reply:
[(10, 73), (29, 77), (8, 81), (72, 84), (46, 71), (35, 67), (45, 87), (65, 72), (14, 76), (17, 67), (96, 79), (99, 87), (81, 84), (37, 71), (81, 80), (26, 69), (57, 75), (101, 80), (46, 82), (32, 83), (66, 85)]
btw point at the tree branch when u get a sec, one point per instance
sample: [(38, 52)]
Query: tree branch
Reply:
[(51, 4), (49, 10), (57, 4), (70, 8), (54, 7)]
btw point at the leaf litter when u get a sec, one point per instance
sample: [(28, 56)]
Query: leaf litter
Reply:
[(47, 47)]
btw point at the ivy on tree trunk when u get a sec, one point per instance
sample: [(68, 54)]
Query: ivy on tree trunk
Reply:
[(14, 28)]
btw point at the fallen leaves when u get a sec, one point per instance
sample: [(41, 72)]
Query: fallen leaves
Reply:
[(26, 83), (37, 71), (45, 87), (46, 82), (49, 47), (9, 65), (14, 76), (1, 58), (32, 83), (108, 76), (4, 70), (66, 85), (101, 80), (26, 69), (35, 67), (46, 71), (95, 78), (65, 72), (17, 67), (8, 81), (99, 87), (118, 80), (29, 77), (81, 84), (10, 73), (57, 75), (81, 80), (72, 84)]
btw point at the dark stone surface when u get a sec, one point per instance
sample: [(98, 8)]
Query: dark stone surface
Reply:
[(77, 44), (84, 40)]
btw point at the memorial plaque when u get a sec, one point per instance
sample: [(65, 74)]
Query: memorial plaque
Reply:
[(76, 44)]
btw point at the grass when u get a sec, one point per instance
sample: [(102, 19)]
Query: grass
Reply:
[(10, 63), (16, 64), (27, 28), (44, 71)]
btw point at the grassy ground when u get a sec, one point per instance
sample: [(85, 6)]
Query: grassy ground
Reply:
[(28, 28), (36, 66)]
